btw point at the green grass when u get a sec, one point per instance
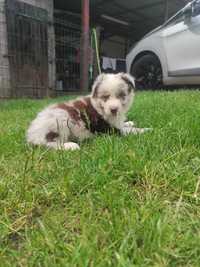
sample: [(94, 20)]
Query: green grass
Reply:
[(119, 201)]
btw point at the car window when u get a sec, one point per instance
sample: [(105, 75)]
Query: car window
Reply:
[(176, 20), (196, 9)]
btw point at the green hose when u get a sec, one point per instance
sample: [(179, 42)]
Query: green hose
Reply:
[(96, 49)]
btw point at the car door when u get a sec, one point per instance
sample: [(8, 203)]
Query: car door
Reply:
[(181, 40)]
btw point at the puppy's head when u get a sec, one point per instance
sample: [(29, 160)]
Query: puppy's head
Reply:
[(112, 94)]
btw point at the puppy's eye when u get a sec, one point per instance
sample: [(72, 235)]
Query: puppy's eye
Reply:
[(122, 95), (105, 97)]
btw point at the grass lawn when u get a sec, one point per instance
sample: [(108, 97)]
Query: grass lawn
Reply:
[(119, 201)]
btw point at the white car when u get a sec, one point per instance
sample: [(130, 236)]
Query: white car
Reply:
[(170, 54)]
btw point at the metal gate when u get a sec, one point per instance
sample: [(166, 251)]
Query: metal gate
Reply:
[(67, 47), (27, 31)]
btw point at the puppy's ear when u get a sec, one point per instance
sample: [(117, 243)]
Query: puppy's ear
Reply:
[(97, 83), (129, 80)]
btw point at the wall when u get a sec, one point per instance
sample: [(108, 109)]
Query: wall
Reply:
[(4, 63), (114, 46)]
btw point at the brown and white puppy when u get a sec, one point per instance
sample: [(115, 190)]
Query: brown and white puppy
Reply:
[(62, 125)]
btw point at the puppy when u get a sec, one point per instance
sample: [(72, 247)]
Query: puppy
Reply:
[(61, 126)]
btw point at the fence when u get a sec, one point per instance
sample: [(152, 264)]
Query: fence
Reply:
[(67, 47)]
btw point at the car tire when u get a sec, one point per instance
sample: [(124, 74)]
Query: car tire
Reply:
[(147, 72)]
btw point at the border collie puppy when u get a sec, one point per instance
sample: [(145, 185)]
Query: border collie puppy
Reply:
[(63, 125)]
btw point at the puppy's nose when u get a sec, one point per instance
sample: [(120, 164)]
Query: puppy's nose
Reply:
[(114, 111)]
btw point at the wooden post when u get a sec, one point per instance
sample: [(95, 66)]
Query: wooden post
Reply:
[(85, 43)]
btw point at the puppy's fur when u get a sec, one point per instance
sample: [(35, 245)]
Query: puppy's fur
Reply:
[(62, 125)]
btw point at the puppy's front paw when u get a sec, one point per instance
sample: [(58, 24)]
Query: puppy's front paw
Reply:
[(129, 124), (71, 146), (132, 130), (143, 130)]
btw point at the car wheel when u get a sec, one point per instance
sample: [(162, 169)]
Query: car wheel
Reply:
[(147, 71)]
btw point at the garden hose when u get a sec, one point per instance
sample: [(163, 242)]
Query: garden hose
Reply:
[(96, 49)]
